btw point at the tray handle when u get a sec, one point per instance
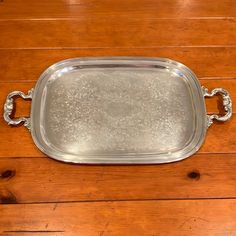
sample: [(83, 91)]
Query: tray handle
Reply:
[(9, 106), (227, 104)]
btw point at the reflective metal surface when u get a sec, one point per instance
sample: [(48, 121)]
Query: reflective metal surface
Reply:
[(120, 110)]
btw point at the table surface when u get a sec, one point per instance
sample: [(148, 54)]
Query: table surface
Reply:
[(40, 196)]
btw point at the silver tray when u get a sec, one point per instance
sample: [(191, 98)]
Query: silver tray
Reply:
[(118, 110)]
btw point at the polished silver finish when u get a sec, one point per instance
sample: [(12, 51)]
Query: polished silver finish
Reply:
[(9, 106), (120, 110), (227, 104)]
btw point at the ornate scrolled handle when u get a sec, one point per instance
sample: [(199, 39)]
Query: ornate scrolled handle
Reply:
[(9, 105), (227, 104)]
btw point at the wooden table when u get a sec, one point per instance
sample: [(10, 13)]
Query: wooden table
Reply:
[(40, 196)]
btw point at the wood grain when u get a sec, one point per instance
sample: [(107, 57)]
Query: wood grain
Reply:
[(125, 32), (20, 138), (27, 65), (193, 217), (31, 9), (51, 181), (194, 197)]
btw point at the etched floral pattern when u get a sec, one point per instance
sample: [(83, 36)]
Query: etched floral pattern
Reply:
[(118, 111)]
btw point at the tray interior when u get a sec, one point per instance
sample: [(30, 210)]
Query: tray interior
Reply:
[(120, 112)]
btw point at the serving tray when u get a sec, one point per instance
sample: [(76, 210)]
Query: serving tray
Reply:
[(118, 110)]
